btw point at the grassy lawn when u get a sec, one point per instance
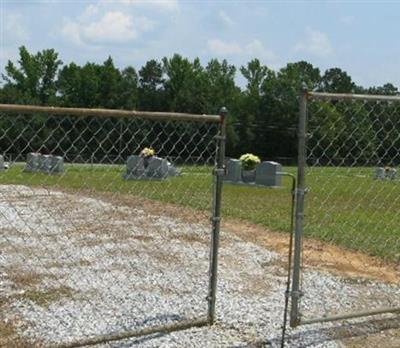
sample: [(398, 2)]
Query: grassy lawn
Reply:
[(344, 206)]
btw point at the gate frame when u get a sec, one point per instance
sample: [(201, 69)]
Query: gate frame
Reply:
[(218, 172), (301, 190)]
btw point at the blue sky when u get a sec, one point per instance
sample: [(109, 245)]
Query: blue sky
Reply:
[(361, 37)]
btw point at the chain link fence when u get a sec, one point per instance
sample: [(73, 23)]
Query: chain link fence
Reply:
[(347, 208), (100, 242)]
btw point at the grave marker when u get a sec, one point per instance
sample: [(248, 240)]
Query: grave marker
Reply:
[(267, 174), (233, 170)]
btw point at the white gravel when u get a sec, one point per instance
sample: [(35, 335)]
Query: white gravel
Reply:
[(73, 267)]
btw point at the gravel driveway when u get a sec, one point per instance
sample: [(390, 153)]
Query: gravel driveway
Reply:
[(73, 266)]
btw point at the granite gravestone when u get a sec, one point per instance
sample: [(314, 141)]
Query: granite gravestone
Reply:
[(379, 173), (32, 162), (155, 168), (57, 165), (45, 163), (391, 174), (267, 174), (233, 170), (134, 167), (49, 164)]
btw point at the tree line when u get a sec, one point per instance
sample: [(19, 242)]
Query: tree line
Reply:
[(262, 115)]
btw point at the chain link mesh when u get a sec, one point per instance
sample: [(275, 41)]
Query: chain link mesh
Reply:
[(85, 252), (352, 204)]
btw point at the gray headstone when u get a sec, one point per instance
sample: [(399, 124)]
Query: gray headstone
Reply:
[(157, 168), (45, 163), (392, 173), (57, 164), (135, 166), (267, 174), (379, 173), (233, 170), (172, 170), (40, 163), (1, 162), (32, 162)]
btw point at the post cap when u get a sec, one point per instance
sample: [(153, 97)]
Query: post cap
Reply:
[(223, 111)]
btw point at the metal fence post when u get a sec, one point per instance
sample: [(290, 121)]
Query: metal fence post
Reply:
[(219, 171), (301, 164)]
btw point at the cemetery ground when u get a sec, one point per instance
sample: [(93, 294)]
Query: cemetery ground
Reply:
[(168, 232)]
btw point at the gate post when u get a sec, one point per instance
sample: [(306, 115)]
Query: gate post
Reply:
[(301, 164), (219, 172)]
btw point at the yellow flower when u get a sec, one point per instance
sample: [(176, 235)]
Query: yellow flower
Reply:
[(147, 152), (249, 161)]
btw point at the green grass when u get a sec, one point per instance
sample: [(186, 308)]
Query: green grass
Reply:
[(344, 206)]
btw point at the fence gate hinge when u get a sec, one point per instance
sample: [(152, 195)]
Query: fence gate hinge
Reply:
[(296, 294), (219, 137), (301, 192)]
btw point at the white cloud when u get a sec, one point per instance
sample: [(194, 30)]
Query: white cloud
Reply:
[(347, 20), (144, 24), (13, 28), (161, 5), (113, 27), (89, 12), (72, 32), (316, 43), (256, 49), (253, 49), (222, 48), (225, 18)]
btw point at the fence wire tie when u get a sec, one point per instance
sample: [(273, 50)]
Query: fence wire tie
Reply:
[(219, 171), (215, 219)]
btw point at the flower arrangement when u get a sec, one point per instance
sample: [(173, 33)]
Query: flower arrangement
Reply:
[(147, 152), (249, 161)]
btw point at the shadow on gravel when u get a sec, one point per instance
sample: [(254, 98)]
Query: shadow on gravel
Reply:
[(313, 337), (137, 342)]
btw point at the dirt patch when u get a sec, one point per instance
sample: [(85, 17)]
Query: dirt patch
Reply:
[(23, 279), (10, 338), (151, 207), (318, 254), (28, 285), (369, 333), (45, 297), (391, 340)]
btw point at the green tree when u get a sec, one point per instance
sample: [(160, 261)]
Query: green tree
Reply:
[(34, 78), (129, 89), (79, 86), (151, 93), (222, 91), (280, 103), (386, 89), (185, 84), (336, 80), (109, 85), (252, 118)]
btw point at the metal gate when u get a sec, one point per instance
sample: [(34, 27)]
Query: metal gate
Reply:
[(347, 208), (105, 219)]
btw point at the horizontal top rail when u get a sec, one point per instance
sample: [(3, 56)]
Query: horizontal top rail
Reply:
[(340, 96), (82, 112)]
